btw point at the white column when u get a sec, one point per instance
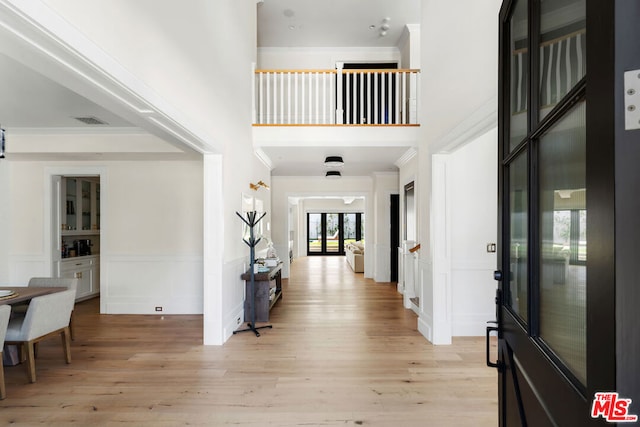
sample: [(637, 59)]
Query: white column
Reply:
[(213, 260)]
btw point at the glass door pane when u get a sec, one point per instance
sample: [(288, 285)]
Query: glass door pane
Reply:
[(519, 47), (333, 233), (314, 244), (562, 50), (349, 228), (518, 236), (563, 283)]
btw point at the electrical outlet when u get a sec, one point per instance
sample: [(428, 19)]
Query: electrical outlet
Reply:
[(491, 247), (158, 308), (238, 321)]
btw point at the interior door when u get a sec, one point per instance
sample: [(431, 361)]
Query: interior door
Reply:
[(552, 354)]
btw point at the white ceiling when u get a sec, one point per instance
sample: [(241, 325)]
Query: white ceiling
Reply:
[(333, 23), (31, 100)]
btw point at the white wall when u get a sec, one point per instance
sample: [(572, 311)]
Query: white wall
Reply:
[(472, 194), (151, 237), (192, 59), (322, 58), (5, 221), (452, 45), (384, 185)]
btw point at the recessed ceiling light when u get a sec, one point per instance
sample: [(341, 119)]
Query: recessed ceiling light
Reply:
[(333, 174), (333, 162), (372, 27), (292, 27)]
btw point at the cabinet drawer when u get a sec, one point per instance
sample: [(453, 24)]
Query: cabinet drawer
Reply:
[(75, 264)]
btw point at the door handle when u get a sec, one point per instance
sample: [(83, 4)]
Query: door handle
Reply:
[(489, 330)]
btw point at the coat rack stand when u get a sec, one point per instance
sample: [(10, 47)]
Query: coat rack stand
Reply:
[(252, 242)]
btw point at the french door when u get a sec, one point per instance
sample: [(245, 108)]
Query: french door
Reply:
[(327, 233), (553, 301)]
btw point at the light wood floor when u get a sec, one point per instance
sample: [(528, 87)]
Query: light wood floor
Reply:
[(342, 351)]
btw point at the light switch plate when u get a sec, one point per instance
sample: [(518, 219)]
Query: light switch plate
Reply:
[(632, 100)]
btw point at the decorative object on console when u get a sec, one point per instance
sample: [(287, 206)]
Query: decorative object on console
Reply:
[(251, 220)]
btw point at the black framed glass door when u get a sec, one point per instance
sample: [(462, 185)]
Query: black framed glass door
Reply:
[(549, 349), (327, 233)]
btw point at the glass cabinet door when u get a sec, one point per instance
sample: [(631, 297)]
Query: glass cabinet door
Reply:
[(86, 204), (70, 222)]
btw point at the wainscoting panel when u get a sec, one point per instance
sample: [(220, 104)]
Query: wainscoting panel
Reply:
[(473, 290), (22, 268), (233, 293), (139, 284), (383, 263)]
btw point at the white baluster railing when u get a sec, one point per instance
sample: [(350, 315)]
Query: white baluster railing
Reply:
[(336, 97)]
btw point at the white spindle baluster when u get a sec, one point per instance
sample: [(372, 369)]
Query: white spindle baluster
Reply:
[(339, 89), (317, 115), (376, 79), (302, 99), (579, 55), (290, 101), (397, 98), (369, 105), (550, 59), (354, 97), (295, 98), (274, 97), (332, 98), (558, 75), (405, 104), (268, 99), (520, 76), (390, 98), (324, 98), (281, 118), (347, 107), (261, 101), (310, 121), (361, 109), (568, 64)]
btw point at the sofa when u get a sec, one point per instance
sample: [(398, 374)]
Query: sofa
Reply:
[(355, 256)]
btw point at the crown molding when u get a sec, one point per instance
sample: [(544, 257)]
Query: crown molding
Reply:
[(406, 157)]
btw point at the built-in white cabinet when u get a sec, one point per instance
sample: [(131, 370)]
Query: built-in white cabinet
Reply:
[(87, 270)]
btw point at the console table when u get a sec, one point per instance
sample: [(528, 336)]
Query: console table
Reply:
[(263, 282)]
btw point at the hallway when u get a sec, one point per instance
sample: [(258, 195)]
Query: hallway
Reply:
[(342, 351)]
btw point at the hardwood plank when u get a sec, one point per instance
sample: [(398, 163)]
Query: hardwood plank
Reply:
[(342, 351)]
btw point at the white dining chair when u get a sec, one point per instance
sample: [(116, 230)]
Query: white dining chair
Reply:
[(47, 316), (45, 282), (5, 313)]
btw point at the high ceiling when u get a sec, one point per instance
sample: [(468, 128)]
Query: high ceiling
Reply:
[(334, 23), (36, 101)]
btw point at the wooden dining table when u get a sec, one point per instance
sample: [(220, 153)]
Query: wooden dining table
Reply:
[(26, 293)]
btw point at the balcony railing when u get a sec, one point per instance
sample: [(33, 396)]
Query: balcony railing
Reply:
[(336, 97)]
